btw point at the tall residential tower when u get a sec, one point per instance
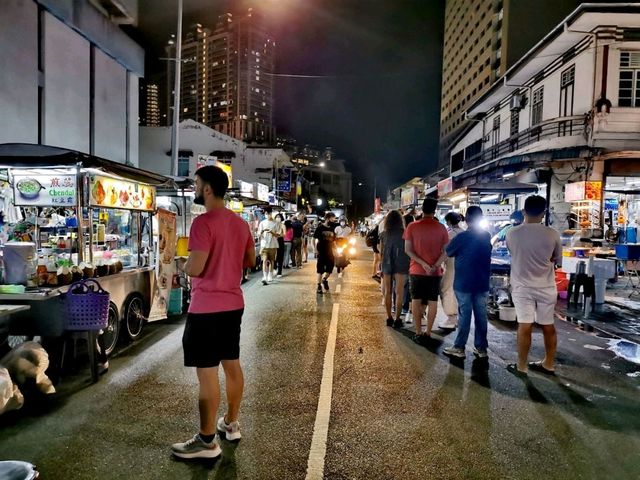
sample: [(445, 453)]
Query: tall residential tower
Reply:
[(227, 82)]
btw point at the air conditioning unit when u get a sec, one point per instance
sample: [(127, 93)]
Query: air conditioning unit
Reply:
[(516, 103)]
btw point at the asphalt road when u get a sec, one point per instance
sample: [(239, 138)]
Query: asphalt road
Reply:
[(397, 410)]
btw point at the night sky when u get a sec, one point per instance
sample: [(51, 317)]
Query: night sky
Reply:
[(378, 101)]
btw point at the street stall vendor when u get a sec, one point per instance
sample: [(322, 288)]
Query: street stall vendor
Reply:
[(89, 219)]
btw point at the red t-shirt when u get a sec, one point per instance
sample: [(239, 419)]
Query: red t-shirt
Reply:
[(428, 238), (226, 237)]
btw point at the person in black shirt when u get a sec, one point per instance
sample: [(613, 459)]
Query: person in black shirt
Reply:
[(298, 231), (324, 239)]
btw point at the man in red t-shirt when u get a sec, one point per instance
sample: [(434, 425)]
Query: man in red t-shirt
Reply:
[(425, 241), (220, 247)]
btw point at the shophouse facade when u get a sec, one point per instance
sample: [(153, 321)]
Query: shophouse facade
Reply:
[(567, 112)]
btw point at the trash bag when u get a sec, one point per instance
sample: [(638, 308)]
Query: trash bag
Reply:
[(10, 396), (29, 360)]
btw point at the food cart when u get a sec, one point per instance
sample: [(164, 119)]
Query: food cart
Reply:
[(90, 217)]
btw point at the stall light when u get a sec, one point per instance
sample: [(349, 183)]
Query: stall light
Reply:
[(459, 197), (508, 175), (490, 198), (484, 224), (187, 194)]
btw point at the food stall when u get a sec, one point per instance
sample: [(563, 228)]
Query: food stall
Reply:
[(91, 218)]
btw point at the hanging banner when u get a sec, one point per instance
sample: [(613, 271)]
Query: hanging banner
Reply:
[(409, 196), (165, 264), (45, 190), (283, 180), (445, 186), (110, 192)]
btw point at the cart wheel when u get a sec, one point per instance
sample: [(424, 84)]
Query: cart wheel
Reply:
[(134, 317), (110, 334)]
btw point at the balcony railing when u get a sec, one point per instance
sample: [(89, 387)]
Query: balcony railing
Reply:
[(556, 128)]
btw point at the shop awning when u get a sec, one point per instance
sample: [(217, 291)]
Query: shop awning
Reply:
[(26, 155), (506, 188)]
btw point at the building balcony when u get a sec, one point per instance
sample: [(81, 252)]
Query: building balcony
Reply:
[(552, 134), (617, 130)]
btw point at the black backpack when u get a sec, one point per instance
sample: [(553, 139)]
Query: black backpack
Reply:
[(371, 240)]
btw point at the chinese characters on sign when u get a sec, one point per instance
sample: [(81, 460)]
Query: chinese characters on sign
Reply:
[(45, 190)]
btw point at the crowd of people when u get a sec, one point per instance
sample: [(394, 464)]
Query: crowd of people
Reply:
[(420, 261)]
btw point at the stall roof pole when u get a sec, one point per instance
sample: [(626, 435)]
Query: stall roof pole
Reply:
[(176, 96)]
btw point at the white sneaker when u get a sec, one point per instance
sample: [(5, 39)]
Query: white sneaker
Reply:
[(279, 276), (408, 318), (270, 277), (196, 448), (231, 430)]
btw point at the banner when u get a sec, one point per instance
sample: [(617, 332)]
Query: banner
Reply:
[(165, 264), (283, 180), (45, 190), (107, 192), (445, 186)]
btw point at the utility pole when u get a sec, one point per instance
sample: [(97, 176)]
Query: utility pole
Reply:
[(176, 96)]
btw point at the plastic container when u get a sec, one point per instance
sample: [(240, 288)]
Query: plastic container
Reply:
[(628, 251), (175, 302), (182, 247), (507, 314)]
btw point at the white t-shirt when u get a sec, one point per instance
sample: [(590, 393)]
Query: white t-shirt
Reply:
[(343, 232), (266, 232), (534, 250)]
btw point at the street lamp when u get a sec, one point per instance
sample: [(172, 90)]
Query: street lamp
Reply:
[(319, 202), (322, 164)]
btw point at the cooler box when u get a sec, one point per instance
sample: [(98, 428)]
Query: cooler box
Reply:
[(628, 251), (175, 302)]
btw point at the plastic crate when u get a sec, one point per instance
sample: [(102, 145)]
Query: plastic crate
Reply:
[(628, 251)]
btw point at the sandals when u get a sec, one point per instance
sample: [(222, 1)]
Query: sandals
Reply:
[(513, 368), (539, 368)]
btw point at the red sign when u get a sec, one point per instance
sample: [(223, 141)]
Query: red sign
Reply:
[(445, 186)]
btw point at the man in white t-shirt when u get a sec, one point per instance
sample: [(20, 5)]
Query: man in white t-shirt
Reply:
[(268, 232), (535, 249)]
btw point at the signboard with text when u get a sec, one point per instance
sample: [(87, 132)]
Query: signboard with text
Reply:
[(495, 212), (409, 196), (283, 181), (246, 189), (262, 192), (445, 186), (45, 190), (581, 191)]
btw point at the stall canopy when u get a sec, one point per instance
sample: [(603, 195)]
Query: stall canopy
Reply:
[(506, 188), (33, 156)]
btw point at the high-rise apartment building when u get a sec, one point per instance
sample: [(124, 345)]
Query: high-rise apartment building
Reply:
[(482, 40), (227, 82), (149, 104)]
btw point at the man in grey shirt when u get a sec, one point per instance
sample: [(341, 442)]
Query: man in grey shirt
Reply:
[(535, 249)]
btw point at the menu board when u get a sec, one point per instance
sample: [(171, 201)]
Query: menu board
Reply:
[(165, 265), (581, 191), (109, 192), (45, 190)]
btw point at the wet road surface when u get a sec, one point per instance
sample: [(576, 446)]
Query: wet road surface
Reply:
[(397, 410)]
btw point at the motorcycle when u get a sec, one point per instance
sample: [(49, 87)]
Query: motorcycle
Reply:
[(345, 250)]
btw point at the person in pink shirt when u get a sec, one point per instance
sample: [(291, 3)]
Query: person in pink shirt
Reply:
[(220, 247), (425, 241)]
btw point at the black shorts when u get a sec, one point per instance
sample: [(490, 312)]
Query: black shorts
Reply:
[(325, 265), (425, 288), (211, 337)]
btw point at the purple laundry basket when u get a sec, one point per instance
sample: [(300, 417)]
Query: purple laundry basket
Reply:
[(85, 307)]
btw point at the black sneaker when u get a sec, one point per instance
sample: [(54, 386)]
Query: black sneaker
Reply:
[(422, 339), (319, 290), (325, 284), (398, 324), (389, 322)]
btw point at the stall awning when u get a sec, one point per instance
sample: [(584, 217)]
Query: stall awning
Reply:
[(504, 188), (28, 155)]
